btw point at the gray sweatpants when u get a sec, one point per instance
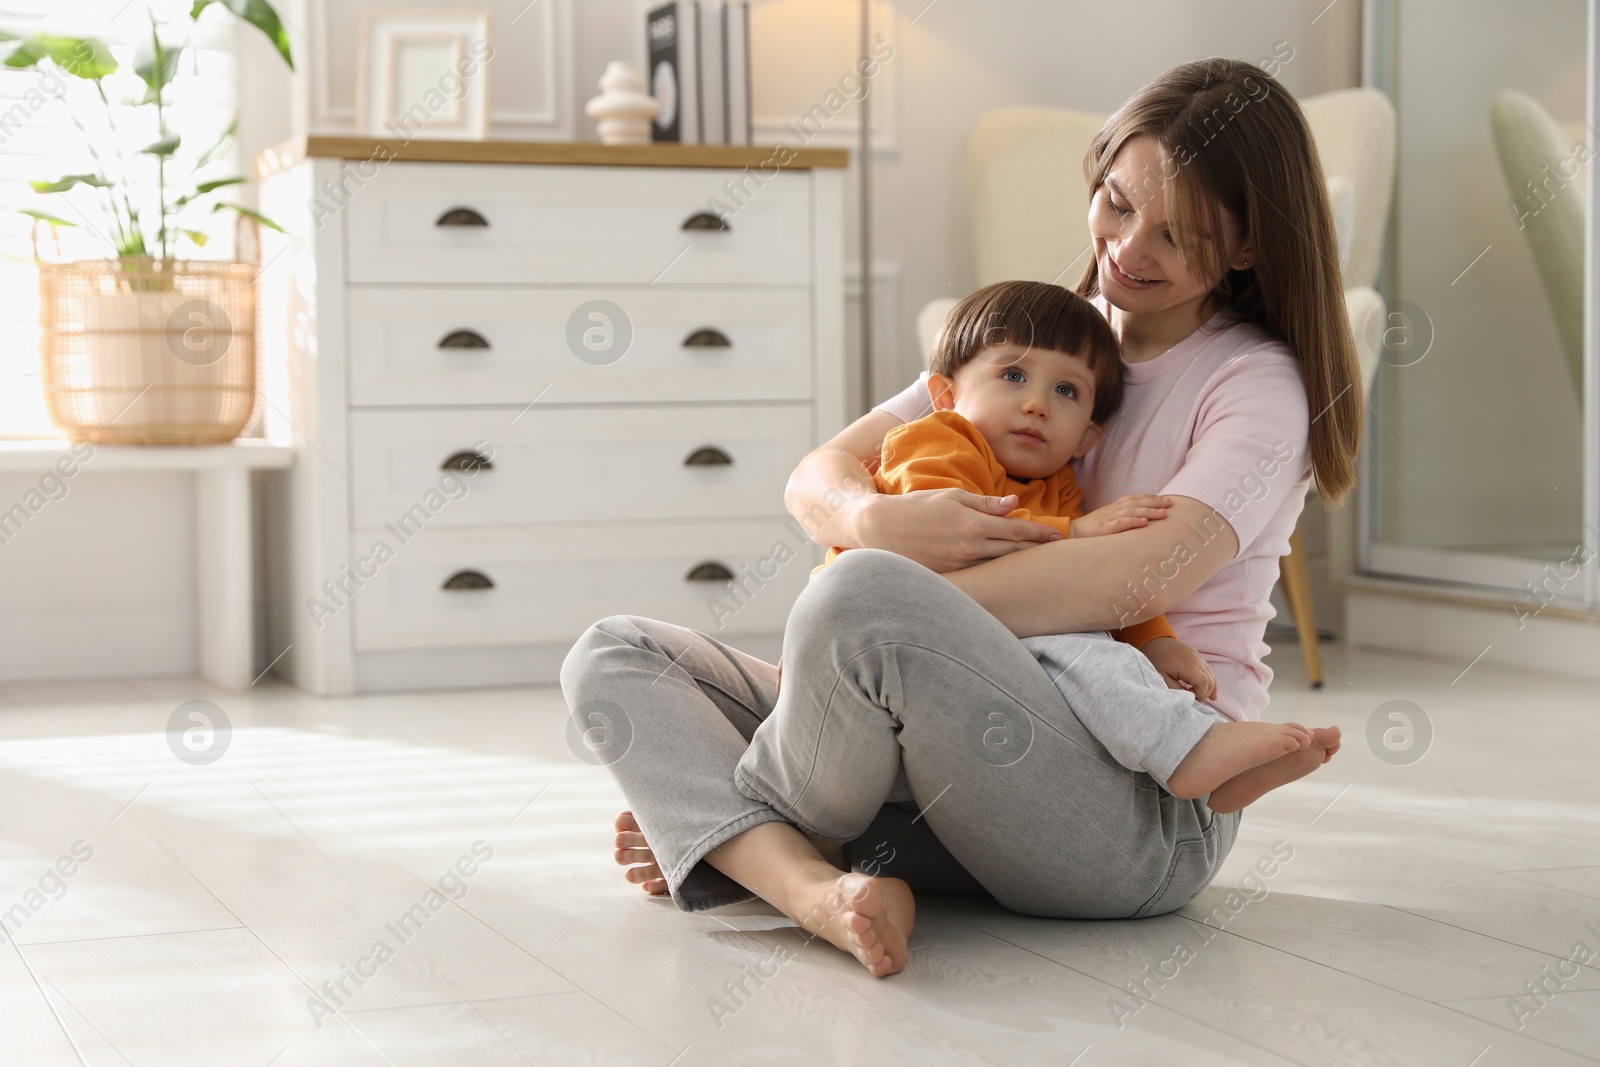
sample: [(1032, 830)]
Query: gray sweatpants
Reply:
[(1122, 699), (913, 727)]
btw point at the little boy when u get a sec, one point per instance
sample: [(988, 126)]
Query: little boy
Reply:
[(1024, 376)]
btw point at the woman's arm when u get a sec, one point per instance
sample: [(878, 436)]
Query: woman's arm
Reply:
[(1103, 583), (1247, 454), (833, 497), (837, 470)]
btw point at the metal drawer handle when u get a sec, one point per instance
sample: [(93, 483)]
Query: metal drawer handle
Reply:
[(707, 338), (461, 216), (468, 580), (705, 220), (708, 456), (467, 461), (709, 572), (463, 339)]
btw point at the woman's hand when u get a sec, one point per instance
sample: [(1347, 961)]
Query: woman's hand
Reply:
[(1128, 513), (1181, 666), (947, 529)]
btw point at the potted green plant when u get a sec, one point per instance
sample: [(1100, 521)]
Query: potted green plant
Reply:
[(144, 346)]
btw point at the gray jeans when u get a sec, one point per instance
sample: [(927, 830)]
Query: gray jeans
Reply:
[(1119, 695), (912, 726)]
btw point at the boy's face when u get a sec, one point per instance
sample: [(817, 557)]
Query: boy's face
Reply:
[(1031, 404)]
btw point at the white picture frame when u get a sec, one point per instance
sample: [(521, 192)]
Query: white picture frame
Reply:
[(423, 73)]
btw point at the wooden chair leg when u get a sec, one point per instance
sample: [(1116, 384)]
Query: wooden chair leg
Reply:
[(1297, 591)]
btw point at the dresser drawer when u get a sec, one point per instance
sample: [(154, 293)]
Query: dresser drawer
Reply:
[(574, 464), (529, 585), (442, 223), (415, 345)]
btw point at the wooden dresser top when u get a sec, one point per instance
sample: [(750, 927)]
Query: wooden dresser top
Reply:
[(567, 153)]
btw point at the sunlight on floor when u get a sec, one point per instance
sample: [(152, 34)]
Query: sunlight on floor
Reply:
[(427, 878)]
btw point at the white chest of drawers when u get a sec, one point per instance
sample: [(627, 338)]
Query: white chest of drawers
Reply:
[(491, 460)]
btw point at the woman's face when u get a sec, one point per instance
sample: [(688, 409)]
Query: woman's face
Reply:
[(1141, 268)]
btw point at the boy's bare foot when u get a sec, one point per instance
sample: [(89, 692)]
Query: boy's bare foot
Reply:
[(632, 848), (1231, 748), (870, 918), (1247, 788)]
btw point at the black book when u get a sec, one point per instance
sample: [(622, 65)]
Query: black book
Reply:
[(673, 36)]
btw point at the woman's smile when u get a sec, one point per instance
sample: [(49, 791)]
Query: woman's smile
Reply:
[(1126, 280)]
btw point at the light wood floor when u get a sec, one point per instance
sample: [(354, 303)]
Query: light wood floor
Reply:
[(216, 900)]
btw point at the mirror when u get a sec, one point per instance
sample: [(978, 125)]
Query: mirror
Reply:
[(1477, 419)]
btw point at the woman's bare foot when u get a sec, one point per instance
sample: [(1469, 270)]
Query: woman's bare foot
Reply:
[(1253, 784), (870, 918), (832, 851), (632, 848), (1231, 748)]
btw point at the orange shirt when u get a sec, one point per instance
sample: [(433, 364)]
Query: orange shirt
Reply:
[(945, 451)]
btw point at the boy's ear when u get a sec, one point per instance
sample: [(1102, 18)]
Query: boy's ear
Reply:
[(941, 390), (1091, 437)]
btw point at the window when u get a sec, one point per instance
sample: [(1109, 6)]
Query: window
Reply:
[(39, 139)]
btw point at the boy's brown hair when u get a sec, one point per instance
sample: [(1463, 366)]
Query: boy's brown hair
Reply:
[(1033, 315)]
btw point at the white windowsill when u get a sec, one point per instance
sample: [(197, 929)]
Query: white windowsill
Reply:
[(246, 452)]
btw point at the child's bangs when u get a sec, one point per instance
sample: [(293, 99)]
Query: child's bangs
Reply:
[(1040, 319)]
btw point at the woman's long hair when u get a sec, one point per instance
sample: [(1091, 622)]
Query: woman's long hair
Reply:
[(1232, 137)]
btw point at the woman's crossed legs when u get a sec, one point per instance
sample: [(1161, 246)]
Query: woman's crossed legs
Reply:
[(891, 675)]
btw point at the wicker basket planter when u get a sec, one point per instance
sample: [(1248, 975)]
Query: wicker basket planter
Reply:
[(149, 352)]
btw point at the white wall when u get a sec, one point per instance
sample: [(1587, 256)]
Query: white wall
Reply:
[(123, 545), (101, 582)]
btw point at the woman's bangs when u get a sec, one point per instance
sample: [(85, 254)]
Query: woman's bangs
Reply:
[(1194, 215)]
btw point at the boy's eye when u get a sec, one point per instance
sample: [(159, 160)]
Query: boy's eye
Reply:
[(1011, 375), (1068, 390)]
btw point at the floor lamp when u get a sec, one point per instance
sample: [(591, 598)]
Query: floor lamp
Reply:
[(864, 157)]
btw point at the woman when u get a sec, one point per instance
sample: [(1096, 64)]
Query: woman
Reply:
[(1214, 260)]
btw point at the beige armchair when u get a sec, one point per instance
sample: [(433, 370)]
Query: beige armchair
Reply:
[(1024, 162), (1535, 152)]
